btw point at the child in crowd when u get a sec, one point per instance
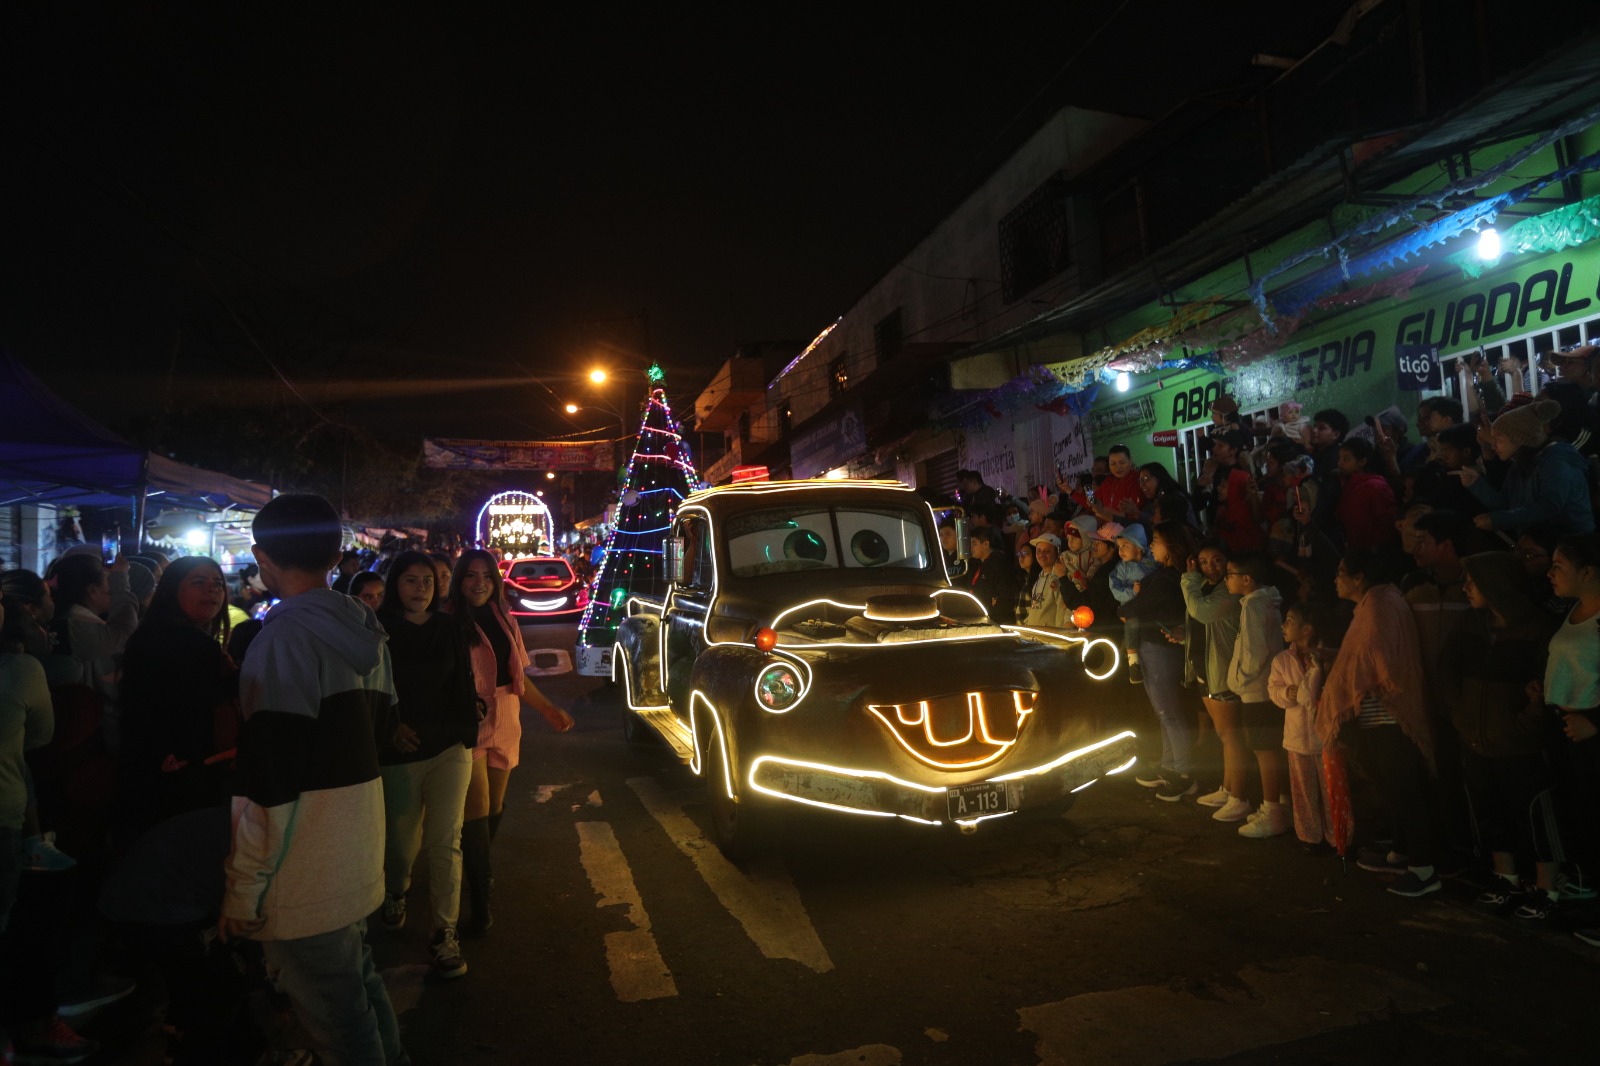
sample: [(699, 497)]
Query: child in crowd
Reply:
[(1295, 683), (1249, 576), (1133, 549)]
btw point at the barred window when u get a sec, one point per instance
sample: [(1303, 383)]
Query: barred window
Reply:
[(1033, 240), (838, 377)]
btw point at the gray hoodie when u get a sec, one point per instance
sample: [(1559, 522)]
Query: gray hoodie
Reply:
[(1260, 640)]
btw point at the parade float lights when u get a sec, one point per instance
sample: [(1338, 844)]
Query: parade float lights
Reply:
[(979, 737), (516, 522), (765, 638)]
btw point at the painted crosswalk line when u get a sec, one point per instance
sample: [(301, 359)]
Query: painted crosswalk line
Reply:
[(763, 899), (637, 970)]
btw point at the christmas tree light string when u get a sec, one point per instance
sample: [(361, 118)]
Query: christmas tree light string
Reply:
[(660, 472)]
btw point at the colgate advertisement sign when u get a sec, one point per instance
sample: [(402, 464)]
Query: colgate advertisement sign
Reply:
[(1164, 438)]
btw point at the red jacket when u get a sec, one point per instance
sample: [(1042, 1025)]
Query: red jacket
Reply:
[(1367, 511), (1111, 492)]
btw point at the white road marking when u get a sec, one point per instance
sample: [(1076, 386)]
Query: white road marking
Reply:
[(637, 970), (542, 793), (764, 900), (1272, 1003)]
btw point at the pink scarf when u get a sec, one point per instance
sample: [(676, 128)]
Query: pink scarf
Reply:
[(1380, 656)]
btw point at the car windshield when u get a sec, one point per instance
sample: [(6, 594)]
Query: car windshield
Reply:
[(540, 571), (782, 540)]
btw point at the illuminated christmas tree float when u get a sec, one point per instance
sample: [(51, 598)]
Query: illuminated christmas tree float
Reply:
[(660, 473)]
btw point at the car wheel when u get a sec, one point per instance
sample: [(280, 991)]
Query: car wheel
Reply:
[(734, 821)]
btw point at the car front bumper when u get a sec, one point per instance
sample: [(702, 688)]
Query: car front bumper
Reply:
[(853, 790)]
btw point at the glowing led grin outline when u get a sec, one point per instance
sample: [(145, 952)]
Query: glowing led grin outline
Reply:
[(878, 775), (977, 722), (543, 605)]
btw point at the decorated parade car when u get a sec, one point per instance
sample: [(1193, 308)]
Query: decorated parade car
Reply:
[(812, 649), (544, 589)]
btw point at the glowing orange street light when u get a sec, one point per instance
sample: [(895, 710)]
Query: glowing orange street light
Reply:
[(598, 376), (572, 408)]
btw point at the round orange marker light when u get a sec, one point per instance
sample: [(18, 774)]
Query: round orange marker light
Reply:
[(766, 639), (1082, 617)]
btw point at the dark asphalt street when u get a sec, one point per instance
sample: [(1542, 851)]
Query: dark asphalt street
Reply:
[(1128, 931)]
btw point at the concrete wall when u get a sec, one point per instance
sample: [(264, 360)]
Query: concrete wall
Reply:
[(948, 286)]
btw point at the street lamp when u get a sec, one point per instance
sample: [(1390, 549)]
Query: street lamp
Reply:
[(598, 376)]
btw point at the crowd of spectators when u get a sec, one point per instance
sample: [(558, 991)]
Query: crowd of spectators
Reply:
[(179, 765), (1424, 610)]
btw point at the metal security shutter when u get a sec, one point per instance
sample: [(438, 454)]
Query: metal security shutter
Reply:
[(939, 472)]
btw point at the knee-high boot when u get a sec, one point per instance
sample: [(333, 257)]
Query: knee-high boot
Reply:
[(479, 875), (494, 823)]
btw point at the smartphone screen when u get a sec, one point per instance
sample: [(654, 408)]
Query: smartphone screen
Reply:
[(111, 545)]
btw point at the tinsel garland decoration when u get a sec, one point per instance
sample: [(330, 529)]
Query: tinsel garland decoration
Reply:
[(1565, 227), (1471, 217)]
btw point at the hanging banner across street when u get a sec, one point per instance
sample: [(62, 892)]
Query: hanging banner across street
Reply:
[(443, 453)]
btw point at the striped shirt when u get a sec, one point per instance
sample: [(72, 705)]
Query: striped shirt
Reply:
[(1373, 713)]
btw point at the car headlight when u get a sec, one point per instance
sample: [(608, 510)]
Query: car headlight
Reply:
[(778, 686)]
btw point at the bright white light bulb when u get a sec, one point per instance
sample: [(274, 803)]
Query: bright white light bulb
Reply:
[(197, 538), (1123, 381), (1489, 244)]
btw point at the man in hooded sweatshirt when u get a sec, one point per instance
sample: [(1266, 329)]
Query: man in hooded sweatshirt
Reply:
[(306, 864)]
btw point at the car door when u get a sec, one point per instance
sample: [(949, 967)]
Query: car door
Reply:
[(688, 603)]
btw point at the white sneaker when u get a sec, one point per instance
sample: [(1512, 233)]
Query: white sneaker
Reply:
[(40, 855), (1270, 821), (1235, 810), (1215, 799)]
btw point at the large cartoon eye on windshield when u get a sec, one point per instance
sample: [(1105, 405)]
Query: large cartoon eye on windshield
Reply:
[(781, 541), (805, 544), (869, 548)]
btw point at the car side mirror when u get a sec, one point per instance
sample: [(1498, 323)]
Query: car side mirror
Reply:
[(674, 558)]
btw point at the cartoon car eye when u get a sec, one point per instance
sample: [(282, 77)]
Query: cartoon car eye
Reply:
[(869, 548), (804, 544)]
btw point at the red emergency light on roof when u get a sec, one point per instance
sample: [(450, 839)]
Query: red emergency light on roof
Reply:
[(742, 474)]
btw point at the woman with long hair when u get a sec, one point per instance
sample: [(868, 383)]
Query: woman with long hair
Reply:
[(96, 613), (179, 692), (1571, 690), (1213, 628), (426, 770), (1159, 607), (1158, 486), (499, 662)]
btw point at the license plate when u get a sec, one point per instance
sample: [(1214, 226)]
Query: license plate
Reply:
[(977, 801)]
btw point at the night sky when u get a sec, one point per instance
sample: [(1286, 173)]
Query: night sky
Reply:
[(410, 211)]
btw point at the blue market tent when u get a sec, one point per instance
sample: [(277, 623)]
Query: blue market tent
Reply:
[(52, 453)]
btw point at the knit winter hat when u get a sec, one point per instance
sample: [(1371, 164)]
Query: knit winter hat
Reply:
[(1527, 426), (1109, 532)]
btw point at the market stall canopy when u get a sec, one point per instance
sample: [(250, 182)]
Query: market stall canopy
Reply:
[(53, 453)]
